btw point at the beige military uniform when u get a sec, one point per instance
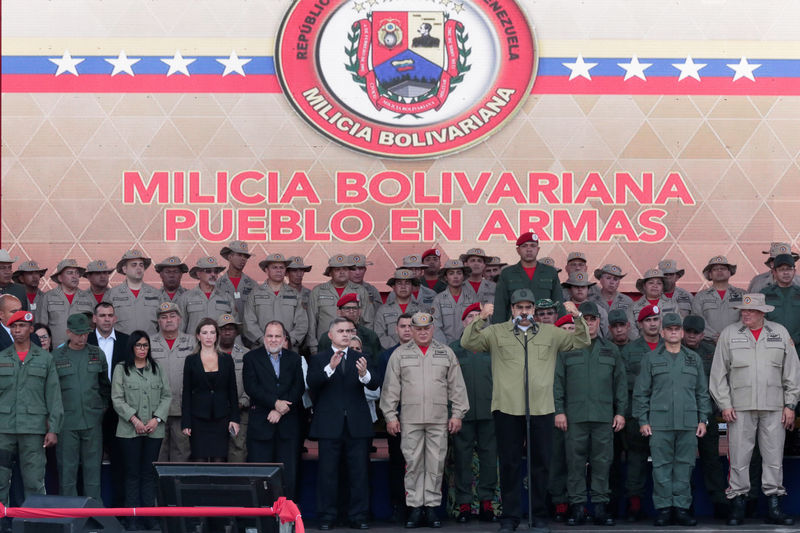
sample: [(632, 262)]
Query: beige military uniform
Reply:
[(447, 313), (681, 301), (264, 305), (37, 305), (239, 294), (421, 385), (423, 299), (237, 446), (485, 292), (55, 310), (386, 321), (757, 379), (374, 295), (717, 312), (664, 304), (134, 312), (322, 309), (163, 296), (195, 306), (622, 302), (175, 446)]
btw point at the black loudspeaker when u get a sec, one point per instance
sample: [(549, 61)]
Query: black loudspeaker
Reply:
[(99, 524)]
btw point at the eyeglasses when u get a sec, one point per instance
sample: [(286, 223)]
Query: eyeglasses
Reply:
[(43, 336), (141, 346), (350, 308), (546, 312)]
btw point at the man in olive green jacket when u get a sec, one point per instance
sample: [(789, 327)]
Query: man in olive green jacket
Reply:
[(507, 342), (33, 411)]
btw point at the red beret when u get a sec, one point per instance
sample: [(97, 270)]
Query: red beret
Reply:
[(347, 298), (474, 307), (650, 310), (432, 251), (24, 316), (527, 237), (566, 319)]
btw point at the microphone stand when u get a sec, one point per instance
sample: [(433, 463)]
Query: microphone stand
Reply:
[(534, 328)]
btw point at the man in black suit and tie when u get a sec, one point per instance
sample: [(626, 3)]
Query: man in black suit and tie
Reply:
[(273, 379), (342, 423), (113, 344)]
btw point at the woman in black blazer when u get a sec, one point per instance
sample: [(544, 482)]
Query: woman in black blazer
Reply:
[(210, 410)]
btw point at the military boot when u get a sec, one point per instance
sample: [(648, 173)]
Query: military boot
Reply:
[(663, 517), (683, 518), (432, 518), (575, 514), (738, 507), (774, 513), (601, 515), (414, 518)]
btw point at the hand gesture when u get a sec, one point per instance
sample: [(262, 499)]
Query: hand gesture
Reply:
[(186, 431), (361, 365), (336, 358), (572, 309), (619, 423), (282, 406), (233, 428), (273, 417), (487, 310), (151, 425)]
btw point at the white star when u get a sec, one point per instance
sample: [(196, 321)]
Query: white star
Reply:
[(178, 64), (234, 64), (689, 69), (66, 64), (458, 7), (123, 64), (743, 69), (634, 69), (579, 68)]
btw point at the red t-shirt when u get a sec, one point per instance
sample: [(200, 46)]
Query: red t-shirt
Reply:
[(652, 345), (135, 292), (70, 297), (276, 292), (431, 283), (415, 293), (172, 294), (669, 294), (722, 294), (475, 285), (424, 349), (530, 271), (98, 297), (339, 291), (653, 302), (756, 332), (208, 295), (610, 302), (456, 297), (22, 355), (32, 297), (170, 342), (403, 307), (235, 282)]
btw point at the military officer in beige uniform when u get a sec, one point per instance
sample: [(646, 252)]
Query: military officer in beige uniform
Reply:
[(29, 274), (134, 301), (295, 271), (275, 300), (449, 305), (420, 294), (402, 284), (171, 271), (609, 297), (231, 343), (205, 300), (493, 268), (422, 376), (322, 302), (755, 381), (680, 297), (357, 273), (483, 289), (169, 347), (651, 285), (234, 282), (98, 273), (717, 304), (66, 299), (578, 288)]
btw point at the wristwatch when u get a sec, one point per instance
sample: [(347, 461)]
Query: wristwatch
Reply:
[(789, 406), (705, 421), (158, 420)]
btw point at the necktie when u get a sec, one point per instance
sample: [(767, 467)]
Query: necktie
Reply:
[(343, 362)]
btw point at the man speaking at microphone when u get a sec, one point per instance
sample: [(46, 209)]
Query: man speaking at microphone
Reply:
[(507, 343)]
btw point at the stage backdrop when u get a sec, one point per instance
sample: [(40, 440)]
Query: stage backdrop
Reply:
[(653, 129)]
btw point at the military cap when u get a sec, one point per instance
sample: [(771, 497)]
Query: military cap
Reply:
[(647, 311), (431, 251), (546, 303), (589, 308), (413, 261), (783, 259), (274, 258), (528, 236), (671, 319), (670, 266), (297, 264), (402, 273), (476, 252), (454, 264), (718, 260), (172, 261), (78, 323), (133, 254), (337, 261), (522, 295), (166, 307), (226, 319), (776, 249), (617, 316), (348, 298), (98, 266), (472, 307), (650, 274), (614, 270), (204, 263), (239, 247), (566, 319), (694, 323), (420, 319), (5, 258), (549, 261), (755, 301), (27, 266), (578, 279), (66, 263), (359, 260), (496, 261), (20, 316), (580, 256)]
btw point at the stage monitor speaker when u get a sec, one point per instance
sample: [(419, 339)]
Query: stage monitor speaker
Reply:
[(99, 524), (219, 485)]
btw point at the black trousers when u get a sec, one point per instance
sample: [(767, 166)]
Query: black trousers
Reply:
[(511, 438), (356, 452), (112, 446), (277, 450), (140, 476), (397, 471)]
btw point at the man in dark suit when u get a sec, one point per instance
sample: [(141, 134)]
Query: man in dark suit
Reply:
[(113, 344), (273, 379), (10, 304), (342, 423)]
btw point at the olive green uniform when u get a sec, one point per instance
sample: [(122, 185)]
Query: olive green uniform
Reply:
[(143, 394), (85, 394), (386, 321), (637, 448), (55, 310), (765, 279), (30, 406), (237, 295), (477, 428), (787, 308), (671, 395), (237, 446), (544, 284), (416, 389), (718, 313), (447, 312), (194, 306), (175, 446), (134, 312), (322, 309), (590, 388), (263, 305)]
